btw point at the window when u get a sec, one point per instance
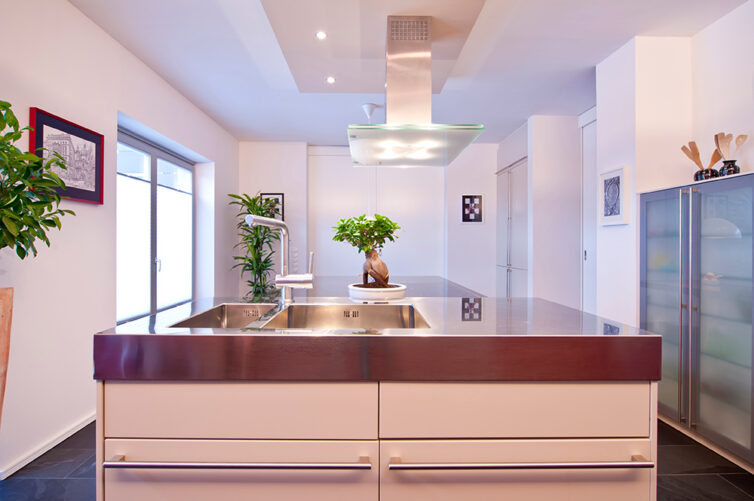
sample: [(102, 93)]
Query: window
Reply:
[(155, 228)]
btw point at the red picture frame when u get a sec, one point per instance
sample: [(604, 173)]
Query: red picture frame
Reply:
[(82, 149)]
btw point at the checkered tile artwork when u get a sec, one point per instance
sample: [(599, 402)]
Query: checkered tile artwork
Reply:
[(471, 208), (471, 309)]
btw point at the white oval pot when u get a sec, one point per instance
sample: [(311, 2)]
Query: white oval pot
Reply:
[(377, 294)]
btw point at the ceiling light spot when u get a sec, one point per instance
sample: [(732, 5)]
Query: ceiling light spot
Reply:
[(331, 80), (321, 35)]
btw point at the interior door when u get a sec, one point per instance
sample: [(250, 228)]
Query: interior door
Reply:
[(519, 231), (503, 216), (589, 217)]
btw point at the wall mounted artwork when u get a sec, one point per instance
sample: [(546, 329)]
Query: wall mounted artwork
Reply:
[(471, 208), (614, 204), (80, 147), (280, 202)]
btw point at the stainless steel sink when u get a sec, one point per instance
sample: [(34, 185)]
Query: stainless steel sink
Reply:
[(227, 316), (346, 316)]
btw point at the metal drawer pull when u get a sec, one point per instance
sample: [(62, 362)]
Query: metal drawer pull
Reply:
[(120, 462), (637, 461)]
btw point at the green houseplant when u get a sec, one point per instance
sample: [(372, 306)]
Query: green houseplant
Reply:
[(29, 207), (256, 244), (369, 236)]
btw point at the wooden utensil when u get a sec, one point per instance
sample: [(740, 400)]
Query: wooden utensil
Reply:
[(740, 140), (716, 156), (722, 141), (694, 158)]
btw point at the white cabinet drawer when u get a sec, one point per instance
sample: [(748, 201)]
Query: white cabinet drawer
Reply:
[(519, 475), (514, 410), (344, 478), (244, 410)]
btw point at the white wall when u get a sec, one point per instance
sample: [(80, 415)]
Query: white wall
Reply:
[(471, 246), (278, 167), (644, 115), (71, 68), (723, 80), (514, 147), (554, 216)]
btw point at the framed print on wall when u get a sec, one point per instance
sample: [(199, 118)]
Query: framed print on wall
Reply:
[(80, 147), (471, 208), (280, 201), (614, 204)]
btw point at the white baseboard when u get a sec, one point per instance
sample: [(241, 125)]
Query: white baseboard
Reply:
[(14, 466)]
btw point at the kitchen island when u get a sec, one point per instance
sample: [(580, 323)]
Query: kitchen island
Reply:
[(483, 399)]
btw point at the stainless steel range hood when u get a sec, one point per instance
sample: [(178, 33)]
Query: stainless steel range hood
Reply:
[(409, 138)]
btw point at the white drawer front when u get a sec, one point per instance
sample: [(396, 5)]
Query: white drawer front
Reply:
[(196, 482), (464, 480), (514, 410), (256, 410)]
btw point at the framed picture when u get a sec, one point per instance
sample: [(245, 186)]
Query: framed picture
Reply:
[(471, 208), (80, 147), (614, 204), (280, 201), (471, 309)]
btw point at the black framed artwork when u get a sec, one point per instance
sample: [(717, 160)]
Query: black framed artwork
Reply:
[(80, 147), (280, 201), (471, 208)]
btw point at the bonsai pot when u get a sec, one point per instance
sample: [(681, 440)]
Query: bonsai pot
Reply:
[(357, 292)]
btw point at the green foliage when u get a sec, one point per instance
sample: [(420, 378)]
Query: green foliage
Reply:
[(256, 244), (366, 234), (28, 197)]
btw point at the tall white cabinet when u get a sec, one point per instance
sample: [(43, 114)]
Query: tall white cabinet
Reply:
[(512, 232)]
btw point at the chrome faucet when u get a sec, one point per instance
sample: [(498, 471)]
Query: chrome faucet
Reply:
[(284, 280)]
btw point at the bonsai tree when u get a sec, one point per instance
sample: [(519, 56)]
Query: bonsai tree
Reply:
[(256, 244), (28, 209), (368, 236)]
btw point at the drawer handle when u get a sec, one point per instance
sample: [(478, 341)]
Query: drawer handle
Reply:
[(120, 462), (637, 461)]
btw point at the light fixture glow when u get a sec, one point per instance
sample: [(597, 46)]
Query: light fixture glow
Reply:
[(321, 35), (331, 80)]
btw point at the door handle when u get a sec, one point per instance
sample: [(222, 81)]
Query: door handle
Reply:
[(119, 462), (637, 461)]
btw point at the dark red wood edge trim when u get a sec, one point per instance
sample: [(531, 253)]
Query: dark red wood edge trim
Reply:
[(101, 163)]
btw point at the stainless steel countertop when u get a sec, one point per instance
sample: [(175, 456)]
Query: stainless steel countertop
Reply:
[(520, 339)]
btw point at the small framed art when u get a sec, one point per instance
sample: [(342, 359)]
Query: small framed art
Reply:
[(280, 201), (614, 204), (80, 147), (471, 208)]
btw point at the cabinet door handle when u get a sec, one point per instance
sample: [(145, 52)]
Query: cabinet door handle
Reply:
[(637, 461), (119, 461)]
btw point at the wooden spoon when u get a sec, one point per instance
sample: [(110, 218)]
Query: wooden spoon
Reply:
[(740, 140), (723, 140), (694, 158), (716, 156)]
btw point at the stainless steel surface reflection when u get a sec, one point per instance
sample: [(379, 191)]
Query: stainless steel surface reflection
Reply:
[(227, 316), (345, 316)]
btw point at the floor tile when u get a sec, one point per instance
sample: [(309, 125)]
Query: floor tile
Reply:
[(56, 463), (667, 435), (86, 469), (674, 459), (744, 481), (82, 439), (697, 488), (44, 489)]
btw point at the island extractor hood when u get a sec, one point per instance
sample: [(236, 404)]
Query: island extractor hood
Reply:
[(409, 138)]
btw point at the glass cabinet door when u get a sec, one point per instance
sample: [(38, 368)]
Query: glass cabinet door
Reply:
[(664, 229), (721, 342)]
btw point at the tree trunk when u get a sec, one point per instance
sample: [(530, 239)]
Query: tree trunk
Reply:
[(6, 314)]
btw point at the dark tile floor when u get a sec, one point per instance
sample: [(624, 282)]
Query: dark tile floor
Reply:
[(687, 471)]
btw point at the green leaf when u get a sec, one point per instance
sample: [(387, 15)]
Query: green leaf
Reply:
[(10, 225)]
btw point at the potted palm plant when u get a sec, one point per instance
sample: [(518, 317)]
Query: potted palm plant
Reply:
[(29, 207), (256, 245), (369, 236)]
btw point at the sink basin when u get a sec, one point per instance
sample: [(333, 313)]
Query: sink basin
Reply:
[(347, 316), (227, 316)]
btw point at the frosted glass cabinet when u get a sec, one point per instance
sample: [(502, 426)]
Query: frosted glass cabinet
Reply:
[(696, 291)]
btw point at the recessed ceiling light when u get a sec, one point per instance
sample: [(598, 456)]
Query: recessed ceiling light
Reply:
[(331, 80), (321, 35)]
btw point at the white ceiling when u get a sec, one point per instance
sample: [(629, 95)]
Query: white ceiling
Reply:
[(255, 67)]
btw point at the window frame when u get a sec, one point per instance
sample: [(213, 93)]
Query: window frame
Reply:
[(156, 152)]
